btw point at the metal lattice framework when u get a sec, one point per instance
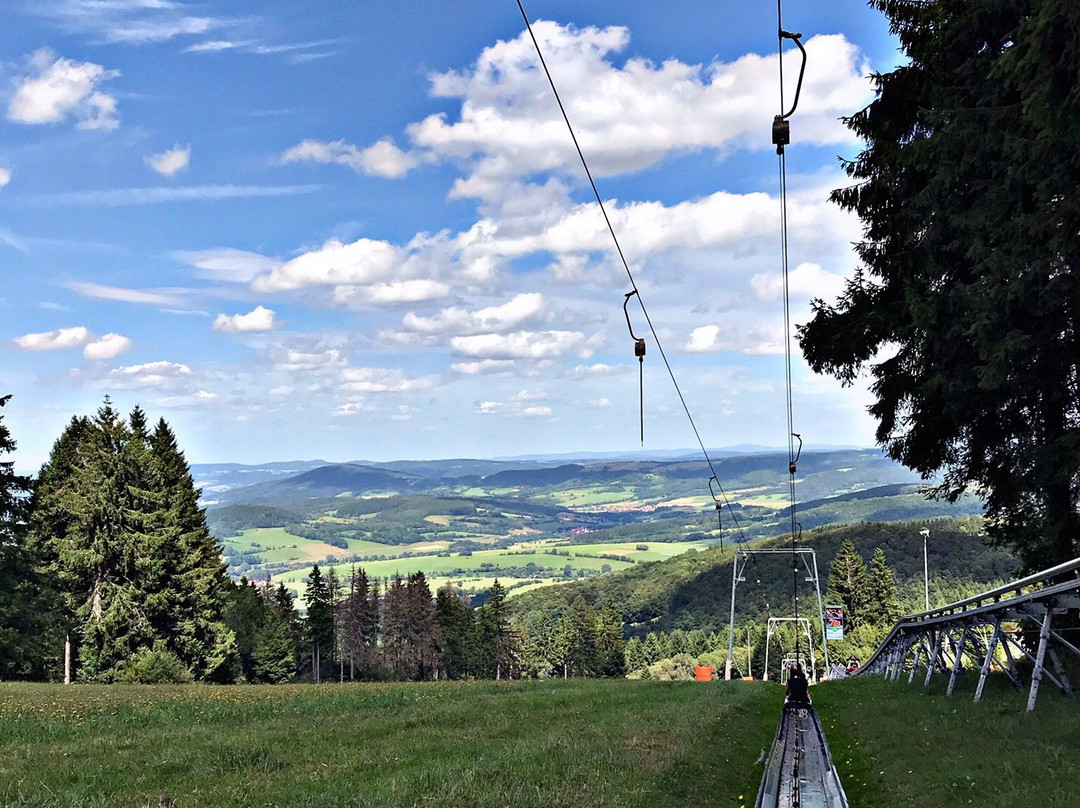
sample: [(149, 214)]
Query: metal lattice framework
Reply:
[(809, 562), (974, 629)]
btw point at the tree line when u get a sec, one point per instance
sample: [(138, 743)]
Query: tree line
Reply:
[(394, 629), (109, 573)]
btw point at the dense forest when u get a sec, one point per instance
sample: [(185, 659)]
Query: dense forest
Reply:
[(109, 573)]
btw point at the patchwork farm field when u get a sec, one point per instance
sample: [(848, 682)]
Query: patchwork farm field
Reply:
[(475, 572), (535, 744)]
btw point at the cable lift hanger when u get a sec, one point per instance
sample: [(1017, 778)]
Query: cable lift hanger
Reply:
[(639, 342)]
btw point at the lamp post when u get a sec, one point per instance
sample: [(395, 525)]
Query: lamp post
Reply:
[(925, 533)]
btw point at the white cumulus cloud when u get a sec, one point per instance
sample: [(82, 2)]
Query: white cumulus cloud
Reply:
[(169, 162), (56, 89), (491, 319), (5, 176), (383, 159), (54, 340), (258, 319), (364, 261), (805, 281), (519, 345), (627, 118), (383, 380), (107, 347), (159, 374)]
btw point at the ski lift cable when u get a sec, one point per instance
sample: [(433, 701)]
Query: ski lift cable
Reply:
[(781, 137), (630, 275)]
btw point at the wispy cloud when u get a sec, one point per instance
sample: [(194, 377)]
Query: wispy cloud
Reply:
[(119, 197), (136, 22), (225, 263), (141, 296)]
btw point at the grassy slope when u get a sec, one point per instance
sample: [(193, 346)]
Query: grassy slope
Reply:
[(896, 745), (552, 743), (543, 744)]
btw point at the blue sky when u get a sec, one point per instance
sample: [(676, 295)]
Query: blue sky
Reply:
[(359, 230)]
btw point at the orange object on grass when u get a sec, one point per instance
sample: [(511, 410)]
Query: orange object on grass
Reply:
[(703, 673)]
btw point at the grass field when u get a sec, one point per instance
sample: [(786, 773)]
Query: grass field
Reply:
[(547, 744), (572, 744), (486, 562), (896, 745)]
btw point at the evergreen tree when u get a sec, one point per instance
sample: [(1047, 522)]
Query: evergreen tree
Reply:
[(192, 561), (635, 654), (319, 625), (456, 628), (281, 603), (395, 629), (584, 654), (360, 621), (610, 645), (273, 656), (883, 602), (21, 604), (970, 280), (494, 646), (424, 634), (847, 584), (245, 612)]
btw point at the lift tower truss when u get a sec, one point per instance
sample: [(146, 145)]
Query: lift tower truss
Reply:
[(809, 561)]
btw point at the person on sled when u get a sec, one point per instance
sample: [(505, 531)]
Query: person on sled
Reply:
[(797, 692)]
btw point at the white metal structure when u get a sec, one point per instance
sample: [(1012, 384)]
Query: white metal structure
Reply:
[(943, 637), (809, 562), (801, 624)]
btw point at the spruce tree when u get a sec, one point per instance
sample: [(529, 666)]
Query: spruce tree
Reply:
[(395, 629), (191, 558), (319, 624), (883, 602), (966, 309), (424, 634), (610, 644), (584, 653), (456, 628), (847, 584), (21, 604)]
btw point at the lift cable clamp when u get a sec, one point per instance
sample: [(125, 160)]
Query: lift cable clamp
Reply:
[(781, 129)]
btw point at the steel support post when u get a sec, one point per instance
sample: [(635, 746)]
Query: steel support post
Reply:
[(1040, 658), (1011, 666), (915, 664), (959, 656), (821, 615), (985, 669), (932, 660), (731, 626), (1066, 686)]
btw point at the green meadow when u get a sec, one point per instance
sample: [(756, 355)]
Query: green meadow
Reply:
[(569, 744)]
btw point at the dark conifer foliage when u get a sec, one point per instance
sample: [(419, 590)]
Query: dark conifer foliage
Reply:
[(848, 585), (967, 307), (456, 627), (21, 605), (320, 627), (131, 572)]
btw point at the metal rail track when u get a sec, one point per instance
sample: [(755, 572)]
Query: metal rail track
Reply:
[(973, 629), (799, 772)]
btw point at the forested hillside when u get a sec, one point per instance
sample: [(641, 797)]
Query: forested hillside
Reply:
[(693, 591)]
